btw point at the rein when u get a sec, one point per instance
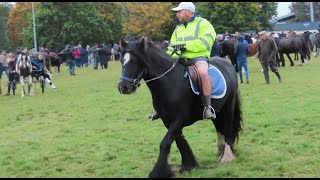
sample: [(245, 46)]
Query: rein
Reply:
[(174, 64)]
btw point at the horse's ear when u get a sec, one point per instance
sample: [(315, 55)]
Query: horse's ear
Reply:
[(123, 44), (144, 42)]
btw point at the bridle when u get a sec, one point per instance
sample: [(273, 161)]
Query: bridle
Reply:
[(134, 81)]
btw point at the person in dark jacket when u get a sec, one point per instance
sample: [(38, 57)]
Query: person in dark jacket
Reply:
[(104, 54), (39, 67), (241, 53), (216, 49), (68, 52), (267, 51), (12, 73)]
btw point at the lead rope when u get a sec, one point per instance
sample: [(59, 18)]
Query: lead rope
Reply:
[(174, 64)]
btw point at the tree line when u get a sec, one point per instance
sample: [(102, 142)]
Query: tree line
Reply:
[(60, 23)]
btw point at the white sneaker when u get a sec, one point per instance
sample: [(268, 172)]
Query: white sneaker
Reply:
[(47, 80), (52, 86)]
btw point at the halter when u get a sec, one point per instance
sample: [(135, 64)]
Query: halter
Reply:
[(136, 81)]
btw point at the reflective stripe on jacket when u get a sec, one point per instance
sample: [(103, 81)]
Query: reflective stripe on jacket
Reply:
[(199, 36)]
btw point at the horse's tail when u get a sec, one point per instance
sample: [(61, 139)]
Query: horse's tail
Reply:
[(238, 119)]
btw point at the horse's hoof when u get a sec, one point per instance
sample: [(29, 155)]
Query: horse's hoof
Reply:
[(153, 174), (227, 155), (187, 168), (165, 172)]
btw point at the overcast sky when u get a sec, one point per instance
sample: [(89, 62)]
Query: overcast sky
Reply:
[(283, 8)]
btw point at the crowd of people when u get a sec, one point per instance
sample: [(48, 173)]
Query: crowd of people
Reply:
[(77, 56)]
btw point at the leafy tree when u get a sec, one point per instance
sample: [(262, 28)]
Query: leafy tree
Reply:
[(302, 11), (18, 19), (4, 13), (114, 13), (267, 11), (60, 23), (231, 16), (148, 19)]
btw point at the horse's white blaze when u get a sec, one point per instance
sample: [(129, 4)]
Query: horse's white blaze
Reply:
[(126, 58)]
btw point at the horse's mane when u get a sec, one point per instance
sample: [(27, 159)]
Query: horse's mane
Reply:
[(150, 55)]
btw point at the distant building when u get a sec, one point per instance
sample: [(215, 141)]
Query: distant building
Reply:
[(299, 27), (279, 25), (282, 18)]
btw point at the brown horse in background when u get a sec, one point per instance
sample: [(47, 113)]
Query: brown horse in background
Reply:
[(253, 48), (53, 60)]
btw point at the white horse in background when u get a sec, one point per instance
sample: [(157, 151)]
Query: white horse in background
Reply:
[(313, 40), (24, 70)]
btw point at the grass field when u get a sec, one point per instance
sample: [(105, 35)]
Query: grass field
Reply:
[(85, 128)]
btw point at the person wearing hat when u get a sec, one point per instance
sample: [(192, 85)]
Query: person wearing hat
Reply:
[(267, 51), (193, 40)]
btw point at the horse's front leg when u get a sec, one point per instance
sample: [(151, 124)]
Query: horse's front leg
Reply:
[(188, 159), (30, 89), (22, 86), (162, 168), (282, 59)]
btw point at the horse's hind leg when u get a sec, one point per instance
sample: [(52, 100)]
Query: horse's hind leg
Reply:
[(188, 160), (303, 56), (220, 144), (289, 57), (282, 59), (225, 138), (30, 90), (22, 87)]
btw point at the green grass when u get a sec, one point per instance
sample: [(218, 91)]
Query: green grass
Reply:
[(85, 128)]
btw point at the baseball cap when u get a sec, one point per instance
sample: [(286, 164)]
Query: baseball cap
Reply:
[(263, 32), (185, 5)]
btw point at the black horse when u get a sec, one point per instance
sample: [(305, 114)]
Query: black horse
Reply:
[(227, 49), (54, 60), (292, 45), (176, 103)]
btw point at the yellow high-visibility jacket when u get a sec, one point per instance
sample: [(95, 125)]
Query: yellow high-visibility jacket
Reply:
[(198, 37)]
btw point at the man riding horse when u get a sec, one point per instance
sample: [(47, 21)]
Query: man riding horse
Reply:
[(193, 40)]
